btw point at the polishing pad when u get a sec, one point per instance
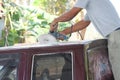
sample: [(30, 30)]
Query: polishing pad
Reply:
[(46, 38)]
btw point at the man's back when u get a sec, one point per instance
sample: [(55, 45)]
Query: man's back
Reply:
[(102, 14)]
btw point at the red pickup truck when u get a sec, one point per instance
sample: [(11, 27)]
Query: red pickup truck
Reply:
[(57, 61)]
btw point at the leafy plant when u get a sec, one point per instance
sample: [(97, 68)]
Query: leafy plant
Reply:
[(21, 22)]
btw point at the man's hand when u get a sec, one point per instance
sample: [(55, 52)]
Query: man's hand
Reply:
[(53, 26)]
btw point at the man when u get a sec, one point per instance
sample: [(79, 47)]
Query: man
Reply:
[(106, 20)]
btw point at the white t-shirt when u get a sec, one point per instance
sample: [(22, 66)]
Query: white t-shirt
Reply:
[(102, 14)]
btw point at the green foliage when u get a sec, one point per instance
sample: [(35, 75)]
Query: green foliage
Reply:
[(21, 22), (52, 6), (11, 39)]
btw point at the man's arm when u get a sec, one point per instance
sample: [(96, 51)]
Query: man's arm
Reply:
[(76, 27), (65, 17), (68, 15)]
